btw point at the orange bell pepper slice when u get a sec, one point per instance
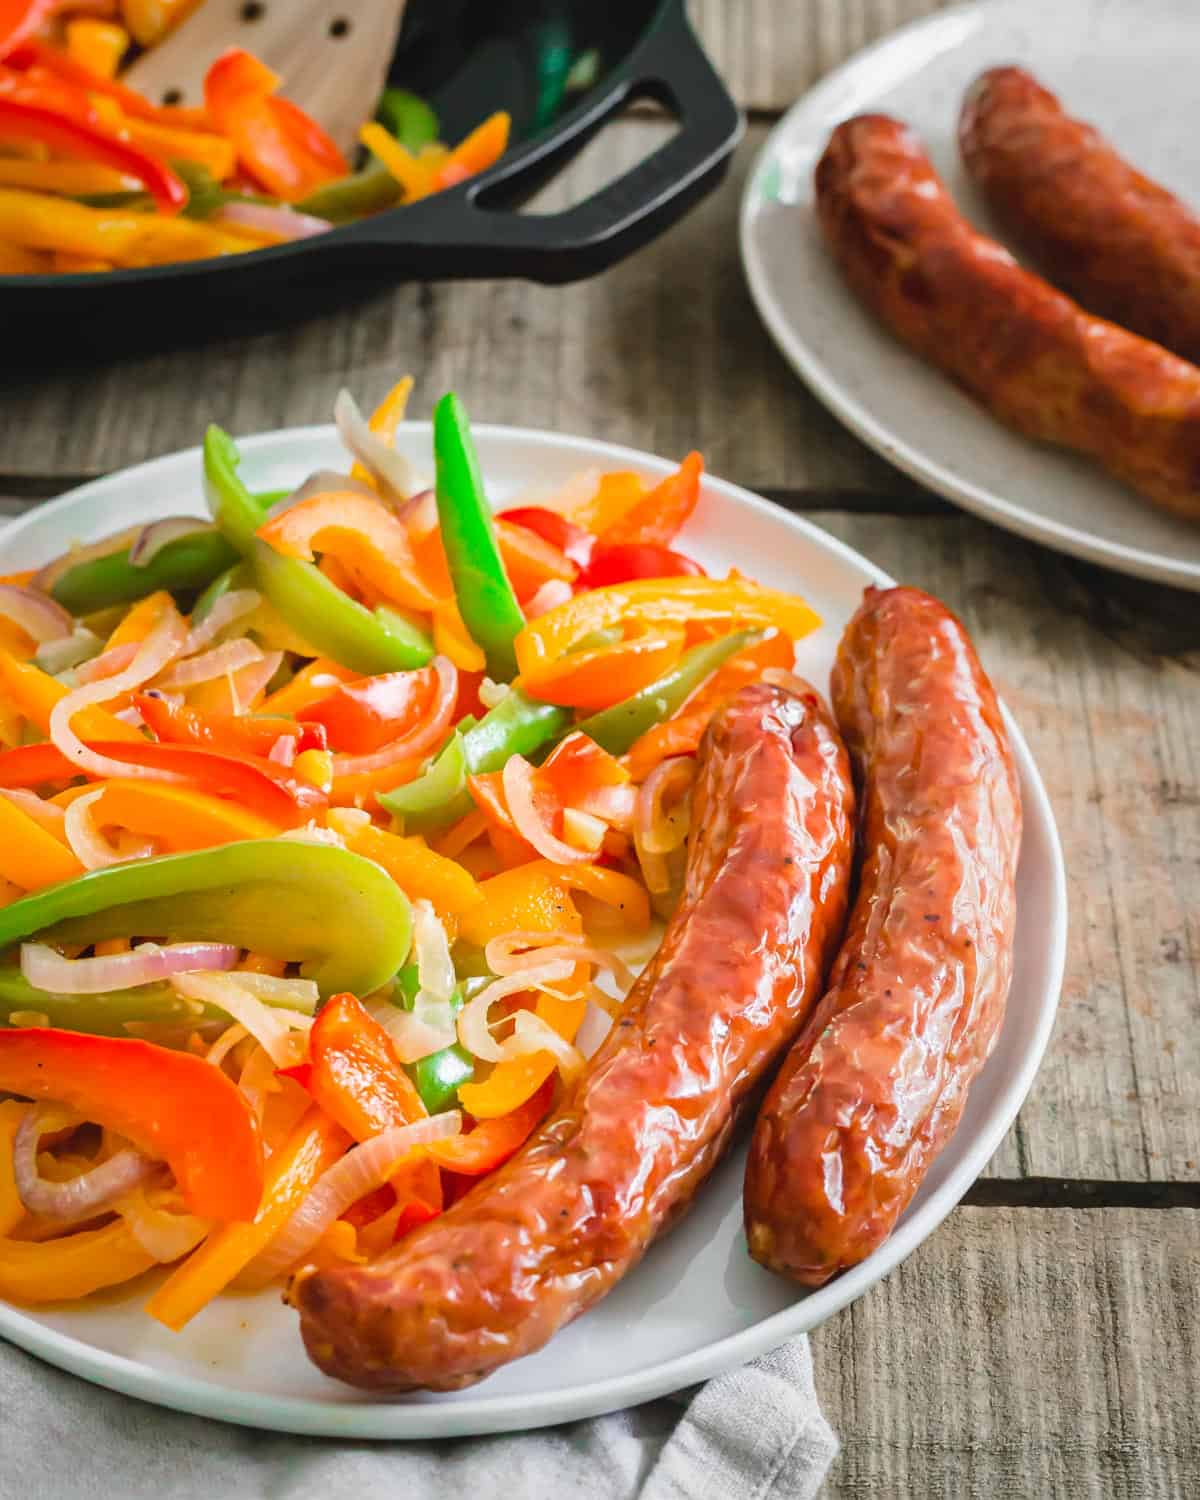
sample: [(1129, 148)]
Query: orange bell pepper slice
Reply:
[(530, 898), (655, 601), (612, 888), (360, 717), (233, 734), (171, 1105), (597, 679), (316, 1144), (481, 149), (682, 734), (140, 620), (418, 871), (74, 1266), (276, 142), (19, 19), (30, 856), (508, 1086), (178, 816), (12, 1210), (530, 560), (34, 693), (493, 1141), (98, 46), (309, 685), (658, 516)]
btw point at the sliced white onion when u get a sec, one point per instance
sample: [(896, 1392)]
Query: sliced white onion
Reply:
[(258, 1078), (390, 470), (348, 821), (419, 513), (132, 716), (153, 538), (290, 994), (504, 955), (80, 1197), (427, 736), (656, 831), (550, 595), (583, 830), (162, 1232), (359, 1172), (231, 606), (74, 650), (492, 694), (88, 845), (108, 663), (532, 1034), (593, 1030), (272, 1027), (209, 664), (225, 1044), (435, 968), (47, 814), (36, 613), (518, 780), (617, 805), (285, 223), (159, 648), (283, 751), (48, 576), (322, 482), (248, 682), (132, 845), (474, 1029), (47, 970), (313, 833), (411, 1036)]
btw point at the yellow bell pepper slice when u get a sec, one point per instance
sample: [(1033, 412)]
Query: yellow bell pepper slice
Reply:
[(507, 1086), (412, 175), (30, 856), (15, 641), (63, 1270), (12, 1210), (621, 892), (528, 898), (140, 621), (70, 178), (418, 871), (451, 638), (40, 222), (98, 45), (212, 151), (34, 693), (181, 818), (16, 260), (70, 264), (308, 686), (315, 1144), (384, 420), (651, 600)]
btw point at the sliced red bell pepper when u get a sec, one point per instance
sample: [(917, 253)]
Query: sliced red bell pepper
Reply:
[(241, 734), (571, 540), (34, 53), (54, 127), (659, 515), (357, 1079), (628, 560), (19, 19), (359, 717), (276, 143), (493, 1141), (414, 1213), (261, 786), (171, 1105)]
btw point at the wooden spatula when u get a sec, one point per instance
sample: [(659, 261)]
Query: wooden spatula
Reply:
[(333, 55)]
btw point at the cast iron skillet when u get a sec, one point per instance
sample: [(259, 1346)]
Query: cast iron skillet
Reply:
[(469, 58)]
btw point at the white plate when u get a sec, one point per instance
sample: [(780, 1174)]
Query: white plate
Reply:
[(1131, 70), (697, 1304)]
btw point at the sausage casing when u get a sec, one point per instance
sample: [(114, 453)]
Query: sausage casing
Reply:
[(1033, 357), (1119, 243), (878, 1080), (738, 970)]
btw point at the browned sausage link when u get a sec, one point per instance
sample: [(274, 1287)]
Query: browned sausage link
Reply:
[(876, 1084), (739, 967), (1124, 246), (1026, 351)]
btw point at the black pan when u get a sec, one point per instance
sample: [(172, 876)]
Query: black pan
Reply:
[(468, 58)]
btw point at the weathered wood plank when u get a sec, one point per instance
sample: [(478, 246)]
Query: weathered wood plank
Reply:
[(665, 352), (1115, 731), (770, 51), (1046, 1353)]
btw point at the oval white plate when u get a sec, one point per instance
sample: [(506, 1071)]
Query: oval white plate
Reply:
[(697, 1304), (1131, 70)]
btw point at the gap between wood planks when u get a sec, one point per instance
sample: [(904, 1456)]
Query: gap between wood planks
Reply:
[(1059, 1192)]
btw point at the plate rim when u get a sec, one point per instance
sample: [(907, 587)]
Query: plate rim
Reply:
[(830, 390), (374, 1419)]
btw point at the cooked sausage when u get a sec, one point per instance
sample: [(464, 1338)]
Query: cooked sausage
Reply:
[(877, 1082), (1026, 351), (740, 965), (1116, 241)]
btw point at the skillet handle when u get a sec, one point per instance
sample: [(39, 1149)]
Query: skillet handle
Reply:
[(472, 230)]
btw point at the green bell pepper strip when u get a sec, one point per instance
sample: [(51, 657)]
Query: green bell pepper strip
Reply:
[(408, 117), (437, 1077), (184, 566), (339, 916), (484, 595), (615, 729), (205, 193), (516, 726), (368, 191), (366, 641)]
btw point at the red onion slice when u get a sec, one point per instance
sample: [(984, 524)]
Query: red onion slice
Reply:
[(47, 970), (229, 657), (80, 1197), (36, 613), (108, 663), (153, 538), (286, 223)]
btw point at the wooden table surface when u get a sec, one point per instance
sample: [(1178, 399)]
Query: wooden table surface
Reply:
[(1046, 1340)]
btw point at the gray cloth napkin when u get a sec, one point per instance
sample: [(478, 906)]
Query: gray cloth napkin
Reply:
[(755, 1434)]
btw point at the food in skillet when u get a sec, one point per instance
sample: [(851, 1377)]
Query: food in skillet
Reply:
[(878, 1081), (95, 176), (312, 911), (1025, 351), (1125, 247)]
